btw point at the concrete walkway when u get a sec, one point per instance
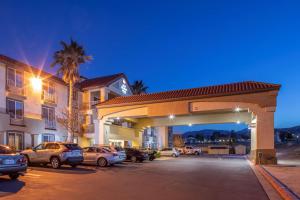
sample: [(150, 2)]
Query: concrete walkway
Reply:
[(288, 175)]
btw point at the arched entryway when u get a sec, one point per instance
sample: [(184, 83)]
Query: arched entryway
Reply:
[(252, 103)]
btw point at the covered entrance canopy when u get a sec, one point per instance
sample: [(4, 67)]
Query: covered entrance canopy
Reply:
[(253, 103)]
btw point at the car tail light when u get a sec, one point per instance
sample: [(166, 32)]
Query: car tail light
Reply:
[(21, 160), (66, 150)]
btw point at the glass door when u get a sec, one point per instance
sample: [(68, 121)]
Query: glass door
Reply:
[(15, 140)]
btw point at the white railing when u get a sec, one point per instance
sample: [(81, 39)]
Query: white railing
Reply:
[(50, 124), (49, 97), (88, 128), (11, 87), (18, 122)]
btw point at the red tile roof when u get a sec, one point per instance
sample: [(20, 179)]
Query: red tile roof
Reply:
[(101, 81), (29, 68), (201, 92)]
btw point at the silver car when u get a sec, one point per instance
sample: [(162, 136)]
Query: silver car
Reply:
[(170, 152), (55, 153), (99, 156), (11, 163), (118, 150)]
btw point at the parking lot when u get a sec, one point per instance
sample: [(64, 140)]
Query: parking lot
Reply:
[(190, 177)]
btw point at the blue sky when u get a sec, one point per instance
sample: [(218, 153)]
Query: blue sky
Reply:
[(168, 44)]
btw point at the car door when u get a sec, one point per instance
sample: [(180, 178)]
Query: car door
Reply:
[(34, 156), (89, 155)]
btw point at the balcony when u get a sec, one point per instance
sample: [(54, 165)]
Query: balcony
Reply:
[(49, 97), (13, 89), (90, 105), (88, 128), (50, 125), (17, 122)]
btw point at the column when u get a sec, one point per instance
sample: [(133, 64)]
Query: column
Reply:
[(162, 137), (262, 138), (100, 134)]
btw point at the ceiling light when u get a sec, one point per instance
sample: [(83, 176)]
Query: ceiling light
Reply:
[(237, 109), (171, 116)]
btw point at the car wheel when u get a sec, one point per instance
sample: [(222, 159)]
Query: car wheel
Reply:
[(174, 155), (102, 162), (133, 159), (13, 176), (197, 153), (55, 163), (27, 160), (74, 166)]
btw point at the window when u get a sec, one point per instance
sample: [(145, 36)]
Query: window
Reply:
[(40, 147), (15, 140), (48, 114), (52, 146), (49, 91), (48, 138), (15, 108), (14, 78)]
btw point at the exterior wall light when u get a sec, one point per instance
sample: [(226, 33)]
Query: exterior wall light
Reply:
[(36, 83), (171, 116), (118, 118), (238, 121), (190, 124), (237, 109)]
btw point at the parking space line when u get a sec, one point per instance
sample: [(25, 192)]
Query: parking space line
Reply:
[(31, 174)]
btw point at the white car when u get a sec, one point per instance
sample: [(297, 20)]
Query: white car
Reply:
[(169, 152), (190, 150), (98, 156), (118, 150)]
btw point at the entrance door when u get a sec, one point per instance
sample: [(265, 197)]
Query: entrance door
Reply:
[(15, 140)]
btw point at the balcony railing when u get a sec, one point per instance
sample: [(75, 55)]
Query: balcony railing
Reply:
[(90, 105), (50, 124), (11, 87), (18, 122), (88, 128), (49, 97)]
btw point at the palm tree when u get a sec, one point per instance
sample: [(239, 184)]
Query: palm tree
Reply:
[(138, 87), (68, 59)]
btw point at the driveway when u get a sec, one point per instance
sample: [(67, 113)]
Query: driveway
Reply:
[(164, 179)]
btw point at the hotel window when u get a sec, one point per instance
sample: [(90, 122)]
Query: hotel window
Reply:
[(48, 90), (15, 109), (14, 78), (48, 114), (48, 137)]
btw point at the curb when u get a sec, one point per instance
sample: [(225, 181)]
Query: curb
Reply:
[(282, 189)]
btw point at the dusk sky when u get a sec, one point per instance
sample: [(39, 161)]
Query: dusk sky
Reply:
[(168, 44)]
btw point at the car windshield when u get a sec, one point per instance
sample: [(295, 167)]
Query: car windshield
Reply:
[(6, 150), (72, 146)]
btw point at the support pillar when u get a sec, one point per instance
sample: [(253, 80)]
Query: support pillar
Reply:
[(162, 137), (262, 138), (101, 136)]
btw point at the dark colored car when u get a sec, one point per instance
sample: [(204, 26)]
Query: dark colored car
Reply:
[(11, 163), (135, 155)]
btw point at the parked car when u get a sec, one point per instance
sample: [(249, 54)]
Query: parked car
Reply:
[(151, 153), (55, 153), (190, 150), (119, 150), (134, 155), (11, 163), (170, 152), (99, 156)]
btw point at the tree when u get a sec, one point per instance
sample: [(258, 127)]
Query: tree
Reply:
[(178, 141), (215, 136), (70, 122), (138, 87), (200, 137), (69, 58)]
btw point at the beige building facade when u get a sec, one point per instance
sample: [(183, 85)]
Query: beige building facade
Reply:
[(110, 114)]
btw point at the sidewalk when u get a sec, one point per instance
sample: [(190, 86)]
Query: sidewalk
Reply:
[(288, 175)]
